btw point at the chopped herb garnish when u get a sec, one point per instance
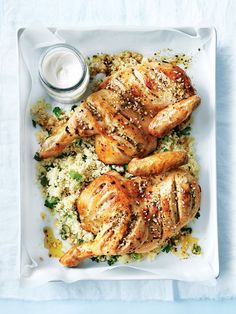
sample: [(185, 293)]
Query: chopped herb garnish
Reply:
[(112, 260), (73, 107), (165, 150), (196, 249), (98, 259), (197, 215), (103, 258), (186, 230), (186, 131), (64, 236), (37, 157), (136, 256), (34, 123), (166, 138), (80, 241), (48, 167), (62, 155), (84, 157), (75, 175), (167, 248), (126, 167), (57, 111), (51, 202), (65, 230), (79, 141), (44, 181)]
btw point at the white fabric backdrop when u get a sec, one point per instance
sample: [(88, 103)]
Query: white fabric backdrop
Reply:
[(73, 13)]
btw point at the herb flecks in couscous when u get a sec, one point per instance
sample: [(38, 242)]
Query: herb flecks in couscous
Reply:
[(167, 56)]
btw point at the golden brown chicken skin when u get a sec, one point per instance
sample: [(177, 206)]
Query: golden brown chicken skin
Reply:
[(124, 115), (133, 215), (157, 163)]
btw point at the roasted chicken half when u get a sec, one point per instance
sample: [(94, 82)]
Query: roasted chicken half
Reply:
[(131, 109), (134, 215)]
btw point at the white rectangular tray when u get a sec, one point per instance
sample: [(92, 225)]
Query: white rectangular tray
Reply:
[(33, 270)]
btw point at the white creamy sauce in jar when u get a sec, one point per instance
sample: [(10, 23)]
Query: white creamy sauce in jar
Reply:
[(64, 73), (62, 69)]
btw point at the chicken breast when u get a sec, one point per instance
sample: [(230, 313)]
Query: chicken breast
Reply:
[(155, 86)]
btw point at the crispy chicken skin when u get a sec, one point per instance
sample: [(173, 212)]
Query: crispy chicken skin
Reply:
[(133, 215), (157, 163), (124, 115)]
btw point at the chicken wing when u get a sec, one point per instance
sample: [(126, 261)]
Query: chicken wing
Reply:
[(157, 163), (170, 117)]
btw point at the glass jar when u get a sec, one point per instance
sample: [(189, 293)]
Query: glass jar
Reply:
[(64, 73)]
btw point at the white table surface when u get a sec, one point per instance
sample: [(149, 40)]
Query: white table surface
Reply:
[(117, 307)]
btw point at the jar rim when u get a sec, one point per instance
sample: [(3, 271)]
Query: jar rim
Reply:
[(81, 59)]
